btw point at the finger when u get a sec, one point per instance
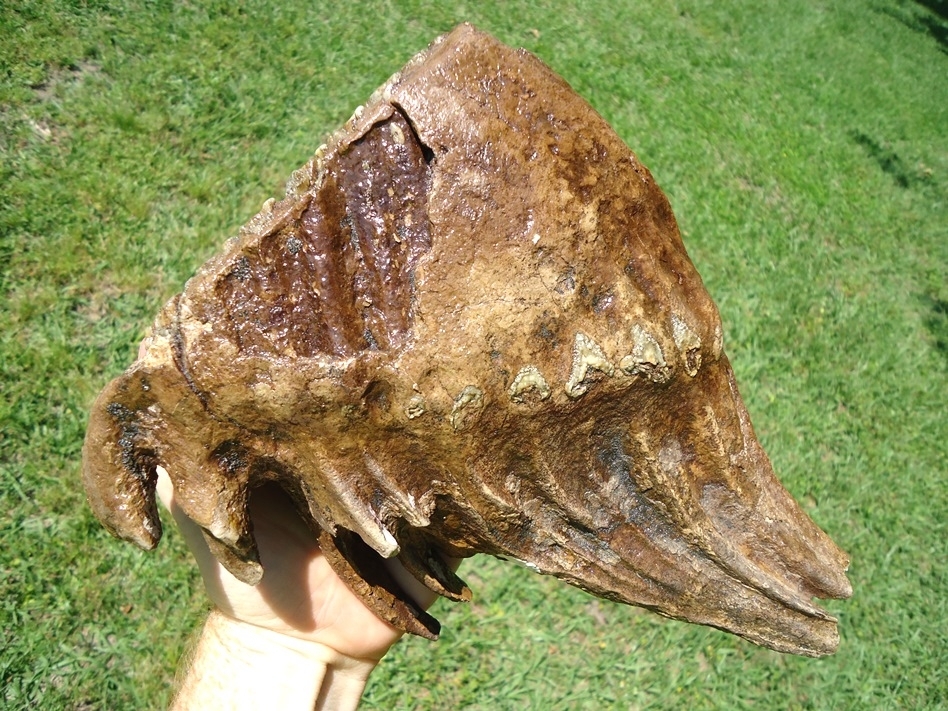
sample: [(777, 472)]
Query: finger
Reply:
[(164, 488)]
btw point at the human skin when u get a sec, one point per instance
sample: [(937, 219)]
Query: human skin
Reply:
[(300, 639)]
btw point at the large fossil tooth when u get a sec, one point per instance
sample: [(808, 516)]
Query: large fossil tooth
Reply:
[(433, 342)]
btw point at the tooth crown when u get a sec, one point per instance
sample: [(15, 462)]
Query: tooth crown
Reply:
[(528, 380), (469, 327)]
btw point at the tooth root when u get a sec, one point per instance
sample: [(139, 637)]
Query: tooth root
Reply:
[(365, 575), (239, 557), (415, 407), (751, 574), (352, 512), (398, 499), (807, 549), (118, 469), (663, 571), (429, 567), (697, 515)]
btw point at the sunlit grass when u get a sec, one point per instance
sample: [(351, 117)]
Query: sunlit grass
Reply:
[(804, 150)]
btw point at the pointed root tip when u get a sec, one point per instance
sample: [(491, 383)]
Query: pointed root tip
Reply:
[(146, 536), (361, 569), (421, 625), (243, 562), (428, 566)]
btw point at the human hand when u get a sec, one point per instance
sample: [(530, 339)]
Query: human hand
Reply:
[(300, 606)]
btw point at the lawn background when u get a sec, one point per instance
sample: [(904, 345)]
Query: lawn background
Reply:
[(804, 148)]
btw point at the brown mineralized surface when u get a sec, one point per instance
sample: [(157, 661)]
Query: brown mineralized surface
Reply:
[(470, 326)]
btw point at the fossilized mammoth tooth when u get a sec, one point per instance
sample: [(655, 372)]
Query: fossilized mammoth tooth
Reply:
[(470, 326)]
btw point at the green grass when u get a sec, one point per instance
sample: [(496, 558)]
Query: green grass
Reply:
[(804, 147)]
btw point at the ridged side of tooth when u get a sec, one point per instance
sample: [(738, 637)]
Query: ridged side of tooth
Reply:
[(403, 502), (689, 515), (243, 565), (232, 531), (355, 514)]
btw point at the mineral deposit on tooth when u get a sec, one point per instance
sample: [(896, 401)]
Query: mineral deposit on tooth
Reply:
[(470, 326)]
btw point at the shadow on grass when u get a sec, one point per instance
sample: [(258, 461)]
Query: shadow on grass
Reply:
[(933, 22), (937, 28), (888, 160), (936, 321), (939, 7)]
